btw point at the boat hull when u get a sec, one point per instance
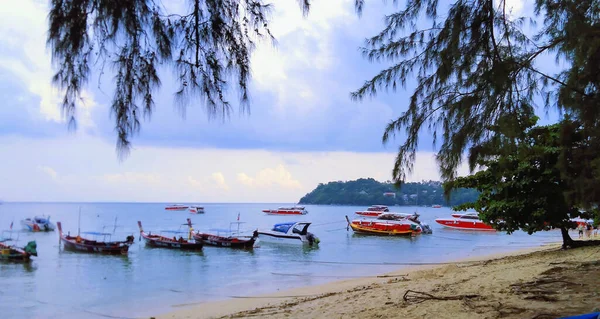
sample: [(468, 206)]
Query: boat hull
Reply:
[(176, 208), (164, 242), (221, 241), (384, 229), (268, 237), (12, 254), (105, 248), (284, 212), (464, 224)]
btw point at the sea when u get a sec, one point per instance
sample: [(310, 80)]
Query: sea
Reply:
[(151, 281)]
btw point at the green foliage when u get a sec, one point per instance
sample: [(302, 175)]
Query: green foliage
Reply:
[(366, 192), (525, 189), (477, 68)]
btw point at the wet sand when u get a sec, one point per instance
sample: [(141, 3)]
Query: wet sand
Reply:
[(544, 282)]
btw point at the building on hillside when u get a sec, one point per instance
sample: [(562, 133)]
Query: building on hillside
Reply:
[(389, 194)]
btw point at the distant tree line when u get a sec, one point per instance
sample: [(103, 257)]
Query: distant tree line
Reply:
[(368, 191)]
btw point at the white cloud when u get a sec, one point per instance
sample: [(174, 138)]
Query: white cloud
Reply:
[(131, 177), (23, 30), (90, 171), (49, 171), (219, 180), (269, 177)]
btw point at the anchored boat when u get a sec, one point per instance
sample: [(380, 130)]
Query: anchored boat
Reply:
[(161, 241), (81, 244), (295, 233), (295, 210), (373, 211), (17, 254), (37, 223), (196, 210), (466, 221), (389, 224), (176, 207)]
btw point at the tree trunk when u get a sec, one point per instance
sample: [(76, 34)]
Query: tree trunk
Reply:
[(567, 241)]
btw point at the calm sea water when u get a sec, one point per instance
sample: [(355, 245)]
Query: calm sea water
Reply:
[(149, 281)]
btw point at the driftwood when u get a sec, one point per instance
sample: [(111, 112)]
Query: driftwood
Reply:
[(412, 296)]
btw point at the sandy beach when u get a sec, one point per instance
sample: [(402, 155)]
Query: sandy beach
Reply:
[(544, 282)]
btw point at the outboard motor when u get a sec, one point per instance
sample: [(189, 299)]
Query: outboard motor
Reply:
[(312, 239), (426, 228)]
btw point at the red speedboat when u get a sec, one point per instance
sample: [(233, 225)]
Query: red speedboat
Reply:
[(373, 211), (295, 210), (176, 207), (468, 221), (390, 224)]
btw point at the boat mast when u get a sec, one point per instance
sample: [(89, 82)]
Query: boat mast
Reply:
[(79, 222)]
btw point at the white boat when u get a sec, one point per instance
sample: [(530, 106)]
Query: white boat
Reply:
[(295, 233), (37, 223), (196, 210), (295, 210)]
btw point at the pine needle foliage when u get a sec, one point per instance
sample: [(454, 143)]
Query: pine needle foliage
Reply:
[(476, 68), (208, 47)]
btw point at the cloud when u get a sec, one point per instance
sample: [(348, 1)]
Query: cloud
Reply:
[(132, 178), (269, 177), (218, 179), (49, 171)]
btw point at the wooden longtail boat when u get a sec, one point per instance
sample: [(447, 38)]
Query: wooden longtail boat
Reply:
[(231, 240), (17, 254), (160, 241), (80, 244)]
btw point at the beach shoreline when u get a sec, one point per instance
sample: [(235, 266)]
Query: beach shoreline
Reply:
[(344, 298)]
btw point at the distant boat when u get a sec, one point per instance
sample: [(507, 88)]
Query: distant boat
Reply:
[(196, 210), (295, 233), (294, 210), (176, 207), (18, 254), (465, 221), (37, 223), (437, 206), (160, 241), (373, 211), (80, 244)]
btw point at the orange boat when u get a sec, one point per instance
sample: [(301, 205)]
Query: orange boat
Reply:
[(373, 211), (390, 224)]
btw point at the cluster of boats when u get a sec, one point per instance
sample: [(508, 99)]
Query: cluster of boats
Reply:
[(378, 219)]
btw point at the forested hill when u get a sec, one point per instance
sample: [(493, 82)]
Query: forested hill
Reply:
[(365, 192)]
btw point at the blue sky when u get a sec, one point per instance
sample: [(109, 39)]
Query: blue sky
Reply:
[(302, 128)]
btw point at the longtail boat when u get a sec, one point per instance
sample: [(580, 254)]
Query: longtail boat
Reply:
[(80, 244), (17, 254), (231, 240), (160, 241)]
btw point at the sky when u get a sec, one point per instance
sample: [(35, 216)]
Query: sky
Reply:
[(302, 128)]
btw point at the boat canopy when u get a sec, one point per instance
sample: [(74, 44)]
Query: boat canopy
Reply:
[(283, 227), (95, 233)]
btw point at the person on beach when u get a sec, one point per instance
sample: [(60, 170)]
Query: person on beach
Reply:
[(588, 230), (580, 229)]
